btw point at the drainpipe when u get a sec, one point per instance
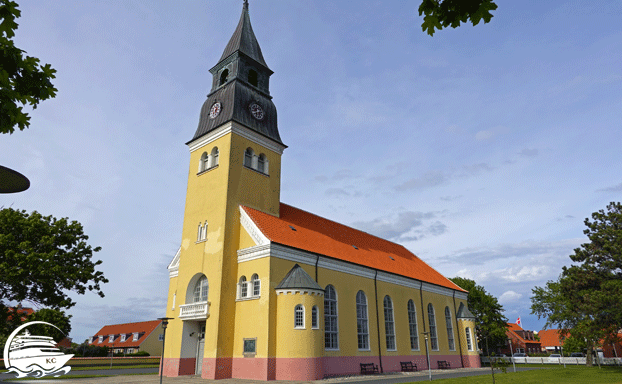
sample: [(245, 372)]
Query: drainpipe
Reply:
[(427, 355), (378, 321), (316, 262), (458, 330)]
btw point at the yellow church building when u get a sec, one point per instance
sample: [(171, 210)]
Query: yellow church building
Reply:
[(266, 291)]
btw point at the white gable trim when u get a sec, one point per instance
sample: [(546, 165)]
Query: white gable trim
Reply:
[(173, 267), (308, 258), (240, 130), (253, 230)]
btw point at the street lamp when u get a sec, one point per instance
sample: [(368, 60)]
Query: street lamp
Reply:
[(512, 354), (426, 335), (164, 324)]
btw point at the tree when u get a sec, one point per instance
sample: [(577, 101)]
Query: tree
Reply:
[(42, 258), (444, 13), (52, 316), (22, 79), (491, 325), (585, 298)]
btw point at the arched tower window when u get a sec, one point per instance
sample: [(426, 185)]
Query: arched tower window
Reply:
[(331, 330), (433, 337), (224, 76), (248, 157), (361, 321), (299, 317), (315, 318), (203, 163), (252, 77), (468, 338), (450, 330), (389, 324), (200, 290), (214, 157), (243, 287), (412, 325), (256, 284)]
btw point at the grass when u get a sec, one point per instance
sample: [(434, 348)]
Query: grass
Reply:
[(569, 375)]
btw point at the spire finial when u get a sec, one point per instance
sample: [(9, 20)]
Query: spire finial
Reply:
[(245, 4)]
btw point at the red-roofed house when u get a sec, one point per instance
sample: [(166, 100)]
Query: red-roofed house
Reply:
[(131, 337), (262, 290), (523, 341), (551, 340)]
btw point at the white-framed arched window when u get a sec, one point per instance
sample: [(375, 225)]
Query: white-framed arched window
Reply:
[(248, 157), (362, 328), (331, 330), (432, 320), (242, 287), (450, 330), (256, 283), (262, 164), (468, 339), (214, 157), (389, 324), (200, 291), (202, 232), (315, 318), (412, 326), (299, 317), (203, 163)]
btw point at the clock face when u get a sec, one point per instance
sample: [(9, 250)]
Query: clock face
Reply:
[(256, 111), (215, 110)]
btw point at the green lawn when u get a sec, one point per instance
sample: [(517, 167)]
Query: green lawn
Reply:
[(574, 375)]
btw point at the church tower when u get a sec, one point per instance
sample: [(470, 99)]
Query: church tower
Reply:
[(235, 159)]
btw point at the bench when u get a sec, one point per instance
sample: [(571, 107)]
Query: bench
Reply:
[(408, 366), (368, 368), (442, 364)]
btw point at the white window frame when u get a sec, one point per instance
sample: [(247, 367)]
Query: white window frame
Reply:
[(451, 342), (101, 339), (389, 324), (362, 321), (412, 325), (299, 316), (135, 337), (122, 337), (329, 316), (315, 317), (201, 290), (432, 324), (242, 288), (255, 285)]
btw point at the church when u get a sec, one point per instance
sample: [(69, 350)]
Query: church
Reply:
[(266, 291)]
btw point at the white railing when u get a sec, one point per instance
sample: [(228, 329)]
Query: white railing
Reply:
[(194, 311), (556, 360)]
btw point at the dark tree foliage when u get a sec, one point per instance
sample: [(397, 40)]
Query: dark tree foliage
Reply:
[(23, 80), (42, 258), (450, 13), (491, 325), (586, 298), (51, 316)]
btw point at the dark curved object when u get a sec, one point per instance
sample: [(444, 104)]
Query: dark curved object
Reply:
[(12, 181)]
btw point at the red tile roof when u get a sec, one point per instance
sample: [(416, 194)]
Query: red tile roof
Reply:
[(24, 312), (143, 329), (513, 328), (550, 338), (319, 235)]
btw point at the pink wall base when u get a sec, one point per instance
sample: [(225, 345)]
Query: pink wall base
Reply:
[(216, 368), (178, 367)]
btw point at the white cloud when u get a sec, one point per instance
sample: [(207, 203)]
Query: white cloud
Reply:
[(509, 297)]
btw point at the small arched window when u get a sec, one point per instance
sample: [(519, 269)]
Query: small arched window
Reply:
[(412, 325), (248, 157), (262, 164), (389, 324), (362, 329), (433, 336), (256, 284), (203, 163), (299, 317), (252, 77), (450, 330), (224, 75), (243, 287), (200, 290), (315, 318), (468, 338), (214, 157), (331, 333)]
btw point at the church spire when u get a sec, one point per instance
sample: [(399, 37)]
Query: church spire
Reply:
[(244, 40)]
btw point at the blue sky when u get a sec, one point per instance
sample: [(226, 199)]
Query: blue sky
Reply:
[(481, 149)]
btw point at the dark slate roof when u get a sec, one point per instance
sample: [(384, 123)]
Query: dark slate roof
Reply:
[(297, 278), (464, 313), (244, 40)]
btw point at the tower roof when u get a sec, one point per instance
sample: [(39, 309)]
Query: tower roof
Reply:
[(244, 40), (464, 313), (297, 278)]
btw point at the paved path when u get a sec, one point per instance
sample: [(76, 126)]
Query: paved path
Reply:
[(121, 377)]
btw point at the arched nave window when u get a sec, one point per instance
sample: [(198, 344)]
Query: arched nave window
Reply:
[(299, 317), (200, 291), (331, 331), (361, 321), (412, 325), (431, 319), (450, 330), (389, 324)]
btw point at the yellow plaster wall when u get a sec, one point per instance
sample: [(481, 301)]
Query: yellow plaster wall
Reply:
[(293, 342), (463, 324)]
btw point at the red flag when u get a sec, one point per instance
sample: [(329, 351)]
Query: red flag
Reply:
[(518, 321)]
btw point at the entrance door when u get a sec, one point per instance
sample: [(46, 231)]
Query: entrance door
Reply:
[(200, 348)]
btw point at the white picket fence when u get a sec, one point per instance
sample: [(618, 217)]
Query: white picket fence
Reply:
[(556, 361)]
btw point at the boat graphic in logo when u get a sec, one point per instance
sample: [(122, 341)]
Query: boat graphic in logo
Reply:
[(34, 356)]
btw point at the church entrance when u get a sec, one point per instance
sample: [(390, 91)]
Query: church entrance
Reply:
[(200, 348)]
